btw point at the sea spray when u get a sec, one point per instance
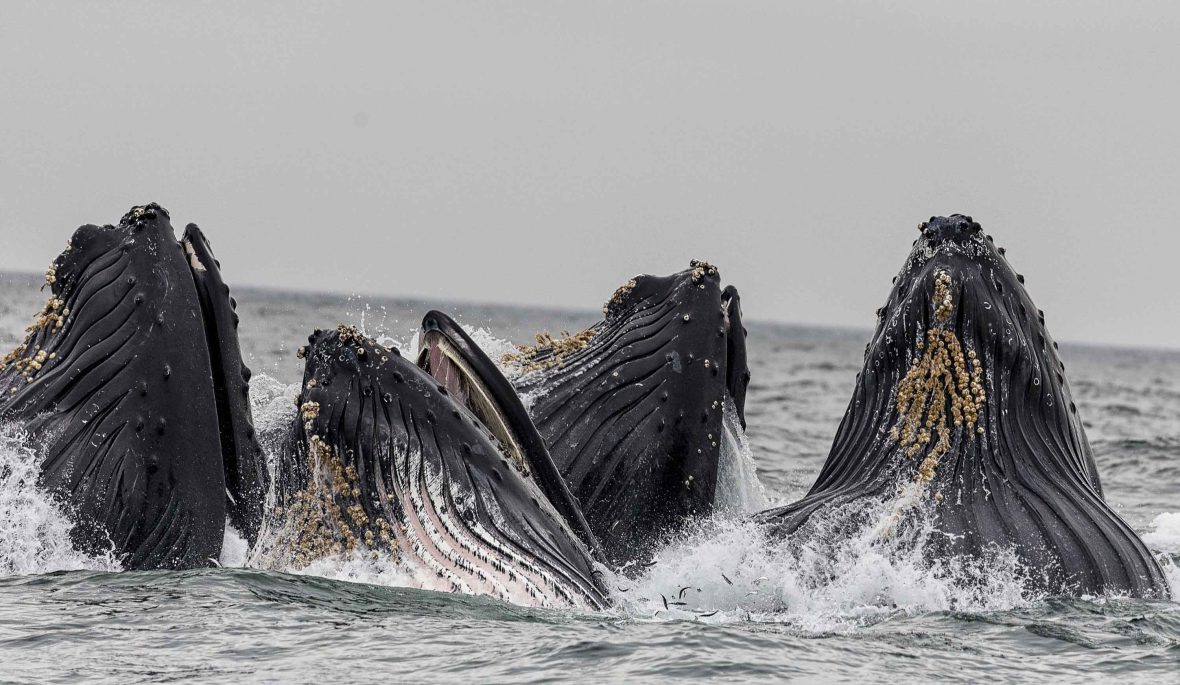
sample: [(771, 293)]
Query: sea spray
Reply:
[(1165, 538), (738, 489), (826, 577), (34, 530)]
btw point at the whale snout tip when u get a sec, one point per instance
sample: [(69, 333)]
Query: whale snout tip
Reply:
[(148, 211), (702, 269), (956, 227)]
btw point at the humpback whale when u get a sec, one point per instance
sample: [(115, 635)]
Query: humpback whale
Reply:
[(962, 419), (632, 408), (432, 466), (132, 387)]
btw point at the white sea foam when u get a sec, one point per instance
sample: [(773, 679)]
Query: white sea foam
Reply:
[(379, 569), (818, 581), (1165, 537), (234, 548), (1165, 533), (34, 531)]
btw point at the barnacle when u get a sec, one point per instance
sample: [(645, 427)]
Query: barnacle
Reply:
[(617, 298), (549, 351), (326, 517), (700, 268), (943, 381)]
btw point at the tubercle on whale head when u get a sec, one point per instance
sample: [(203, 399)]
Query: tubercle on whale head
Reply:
[(637, 290), (636, 294), (87, 244)]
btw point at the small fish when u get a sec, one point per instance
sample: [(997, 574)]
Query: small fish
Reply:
[(713, 613), (752, 592), (683, 590), (760, 580), (679, 604), (727, 579), (665, 601)]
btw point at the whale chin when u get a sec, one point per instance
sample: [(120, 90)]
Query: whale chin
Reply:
[(632, 409), (962, 418), (132, 387)]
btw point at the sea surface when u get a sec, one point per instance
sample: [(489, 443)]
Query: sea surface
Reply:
[(751, 611)]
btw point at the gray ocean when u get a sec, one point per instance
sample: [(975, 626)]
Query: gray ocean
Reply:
[(750, 611)]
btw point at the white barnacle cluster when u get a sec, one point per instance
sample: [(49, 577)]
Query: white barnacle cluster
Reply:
[(617, 298), (309, 411), (51, 318), (29, 358), (549, 352), (325, 518), (700, 269), (941, 393), (26, 366)]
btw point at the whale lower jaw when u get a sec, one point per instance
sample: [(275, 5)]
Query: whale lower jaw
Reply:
[(446, 553), (422, 534)]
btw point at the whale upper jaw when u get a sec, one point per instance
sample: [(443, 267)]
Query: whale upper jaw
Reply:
[(632, 408), (962, 416), (131, 382)]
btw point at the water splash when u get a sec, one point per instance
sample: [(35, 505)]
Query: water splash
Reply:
[(821, 580), (272, 404), (368, 567), (234, 549), (1165, 538), (34, 531), (1165, 533), (738, 489)]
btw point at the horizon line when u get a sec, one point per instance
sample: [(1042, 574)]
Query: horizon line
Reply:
[(34, 276)]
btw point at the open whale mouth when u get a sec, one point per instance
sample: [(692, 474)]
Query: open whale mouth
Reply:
[(455, 369), (737, 373), (457, 363), (385, 457)]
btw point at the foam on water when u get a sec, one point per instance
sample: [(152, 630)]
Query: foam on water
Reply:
[(818, 581), (1165, 533), (234, 549), (1165, 537), (34, 531), (369, 568)]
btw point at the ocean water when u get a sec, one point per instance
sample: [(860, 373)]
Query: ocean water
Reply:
[(721, 603)]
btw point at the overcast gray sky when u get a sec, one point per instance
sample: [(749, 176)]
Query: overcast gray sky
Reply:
[(543, 152)]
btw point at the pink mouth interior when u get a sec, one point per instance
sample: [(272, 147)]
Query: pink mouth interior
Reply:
[(441, 368)]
